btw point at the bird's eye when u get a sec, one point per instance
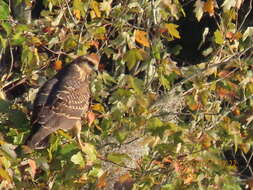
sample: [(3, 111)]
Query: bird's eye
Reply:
[(91, 65)]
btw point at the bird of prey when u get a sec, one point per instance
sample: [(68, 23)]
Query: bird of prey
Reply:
[(62, 101)]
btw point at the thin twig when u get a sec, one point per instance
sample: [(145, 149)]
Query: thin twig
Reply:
[(202, 71), (70, 13), (82, 28), (228, 112), (106, 160), (154, 11)]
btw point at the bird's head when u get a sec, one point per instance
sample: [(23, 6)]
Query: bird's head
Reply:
[(88, 62)]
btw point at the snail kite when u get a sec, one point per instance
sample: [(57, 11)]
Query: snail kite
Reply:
[(62, 101)]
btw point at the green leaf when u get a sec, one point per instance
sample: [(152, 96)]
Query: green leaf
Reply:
[(218, 36), (4, 10), (17, 39), (4, 106), (91, 152), (18, 119), (132, 57), (78, 159), (7, 27), (118, 158), (136, 84), (67, 148)]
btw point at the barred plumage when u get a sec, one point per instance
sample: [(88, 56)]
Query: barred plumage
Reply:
[(61, 101)]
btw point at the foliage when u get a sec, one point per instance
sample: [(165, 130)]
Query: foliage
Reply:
[(132, 37)]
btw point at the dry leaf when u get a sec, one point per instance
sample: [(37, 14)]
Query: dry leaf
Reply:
[(58, 65), (141, 37)]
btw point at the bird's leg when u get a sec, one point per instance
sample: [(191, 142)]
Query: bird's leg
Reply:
[(78, 127)]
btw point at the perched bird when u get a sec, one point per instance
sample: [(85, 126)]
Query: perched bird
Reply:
[(62, 101)]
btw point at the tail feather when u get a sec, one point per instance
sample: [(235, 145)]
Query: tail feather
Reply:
[(39, 137)]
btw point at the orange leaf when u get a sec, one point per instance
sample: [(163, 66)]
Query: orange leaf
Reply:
[(94, 43), (236, 111), (91, 117), (58, 65), (223, 74), (102, 183), (49, 30), (209, 7), (33, 167), (125, 178), (225, 93), (141, 37), (77, 14), (176, 166)]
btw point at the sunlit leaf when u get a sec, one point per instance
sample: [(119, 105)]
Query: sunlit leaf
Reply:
[(228, 4), (4, 10), (248, 32), (91, 117), (106, 6), (98, 107), (199, 5), (102, 182), (209, 7), (218, 36), (91, 152), (118, 158), (172, 30), (58, 65), (5, 175), (141, 37), (95, 9), (132, 57), (33, 167), (77, 14), (78, 159)]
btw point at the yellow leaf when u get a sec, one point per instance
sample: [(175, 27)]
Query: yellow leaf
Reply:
[(172, 30), (209, 7), (95, 7), (36, 41), (106, 7), (4, 175), (141, 37), (98, 108), (77, 14)]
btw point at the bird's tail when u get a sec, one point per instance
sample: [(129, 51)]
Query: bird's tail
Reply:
[(39, 137)]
